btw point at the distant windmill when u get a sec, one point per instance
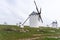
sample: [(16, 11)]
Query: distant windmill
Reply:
[(5, 23), (34, 18), (54, 24)]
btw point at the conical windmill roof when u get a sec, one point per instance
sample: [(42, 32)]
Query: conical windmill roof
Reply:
[(33, 13)]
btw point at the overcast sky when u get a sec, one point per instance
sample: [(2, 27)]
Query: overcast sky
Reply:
[(14, 11)]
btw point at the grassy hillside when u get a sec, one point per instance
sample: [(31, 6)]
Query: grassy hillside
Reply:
[(13, 32)]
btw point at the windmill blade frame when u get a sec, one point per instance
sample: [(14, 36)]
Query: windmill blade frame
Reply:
[(25, 21), (40, 18), (40, 11), (36, 6)]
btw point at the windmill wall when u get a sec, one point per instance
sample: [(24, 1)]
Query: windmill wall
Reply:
[(33, 21)]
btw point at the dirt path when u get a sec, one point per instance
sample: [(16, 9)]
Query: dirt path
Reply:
[(41, 36), (30, 38)]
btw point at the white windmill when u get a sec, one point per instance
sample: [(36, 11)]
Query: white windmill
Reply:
[(34, 18), (54, 24)]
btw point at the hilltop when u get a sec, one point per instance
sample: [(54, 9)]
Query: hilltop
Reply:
[(13, 32)]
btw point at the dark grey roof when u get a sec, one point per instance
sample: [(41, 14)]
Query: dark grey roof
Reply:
[(33, 13)]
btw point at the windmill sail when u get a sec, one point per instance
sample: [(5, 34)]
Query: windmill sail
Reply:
[(25, 21), (40, 18), (39, 13), (36, 7)]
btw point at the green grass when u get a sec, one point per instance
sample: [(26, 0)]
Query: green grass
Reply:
[(4, 35), (12, 32)]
